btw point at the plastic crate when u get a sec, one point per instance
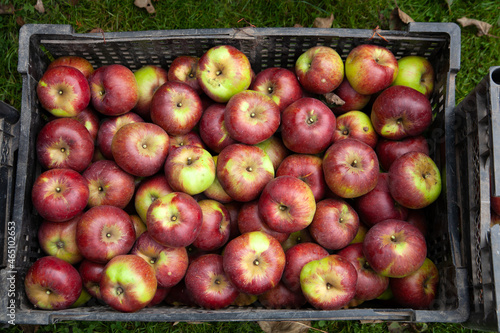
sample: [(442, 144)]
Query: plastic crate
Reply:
[(478, 157), (265, 47)]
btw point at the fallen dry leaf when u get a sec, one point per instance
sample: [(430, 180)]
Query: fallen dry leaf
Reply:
[(7, 9), (96, 30), (334, 99), (287, 326), (405, 18), (296, 25), (323, 22), (145, 4), (39, 7), (483, 28), (398, 18), (20, 21)]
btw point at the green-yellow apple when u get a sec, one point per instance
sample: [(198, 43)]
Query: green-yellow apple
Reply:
[(416, 72), (149, 78), (356, 125), (82, 64)]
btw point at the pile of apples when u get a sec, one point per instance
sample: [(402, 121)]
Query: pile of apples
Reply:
[(210, 185)]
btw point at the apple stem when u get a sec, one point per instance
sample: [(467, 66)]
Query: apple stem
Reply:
[(270, 90), (217, 281), (48, 292), (191, 75), (58, 189), (345, 132), (179, 104), (152, 261), (108, 235), (283, 207), (100, 188), (144, 146), (354, 163), (173, 218), (328, 286), (189, 161), (252, 115), (310, 120), (60, 244), (393, 238), (60, 92), (63, 150), (256, 262), (119, 291), (249, 169), (219, 72)]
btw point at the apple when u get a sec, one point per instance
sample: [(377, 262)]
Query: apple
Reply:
[(191, 138), (245, 299), (243, 171), (355, 125), (287, 204), (370, 284), (414, 180), (351, 98), (64, 143), (179, 296), (170, 263), (149, 78), (307, 126), (275, 149), (174, 219), (254, 262), (370, 68), (89, 118), (233, 209), (297, 237), (320, 69), (104, 232), (394, 248), (91, 274), (109, 184), (208, 284), (307, 168), (190, 169), (114, 90), (495, 203), (159, 297), (59, 195), (215, 191), (82, 64), (213, 131), (280, 297), (417, 290), (280, 84), (82, 299), (128, 283), (296, 257), (378, 204), (63, 91), (351, 168), (249, 219), (399, 112), (148, 191), (214, 231), (360, 235), (108, 128), (52, 284), (176, 107), (140, 148), (328, 283), (389, 150), (223, 71), (251, 117), (183, 69), (416, 72), (335, 224), (58, 239), (139, 225)]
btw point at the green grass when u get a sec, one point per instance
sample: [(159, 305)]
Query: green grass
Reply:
[(477, 55)]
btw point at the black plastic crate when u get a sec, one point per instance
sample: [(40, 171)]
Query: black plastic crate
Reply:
[(265, 47), (478, 157)]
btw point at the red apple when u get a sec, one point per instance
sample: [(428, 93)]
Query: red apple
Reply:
[(114, 90), (280, 297), (296, 257), (174, 219), (176, 107), (233, 209), (416, 72), (280, 84), (159, 297), (91, 273), (64, 143), (139, 225), (251, 117), (307, 126), (58, 239), (320, 69), (243, 171), (394, 248), (149, 78), (208, 284), (52, 284), (215, 191), (213, 131), (418, 219), (254, 262), (307, 168), (370, 68), (399, 112), (297, 237), (287, 204), (389, 150), (351, 168), (275, 149), (370, 284), (414, 180), (417, 290), (140, 148), (170, 263), (89, 118), (329, 283), (148, 191), (249, 219), (335, 224), (223, 71), (82, 64), (183, 69), (214, 231), (104, 232), (109, 184), (128, 283), (63, 91), (351, 98), (191, 138), (355, 125), (60, 194)]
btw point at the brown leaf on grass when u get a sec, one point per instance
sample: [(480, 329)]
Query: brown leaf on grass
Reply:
[(483, 28), (287, 326), (96, 30), (296, 25), (20, 21), (7, 9), (145, 4), (323, 22), (39, 7), (405, 18), (398, 18)]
